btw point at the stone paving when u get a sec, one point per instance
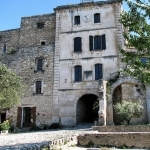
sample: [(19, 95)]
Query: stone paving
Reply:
[(36, 140)]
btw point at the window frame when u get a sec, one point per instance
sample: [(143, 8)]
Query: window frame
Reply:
[(97, 18), (39, 64), (98, 71), (78, 73), (77, 20), (77, 44), (40, 25), (38, 87)]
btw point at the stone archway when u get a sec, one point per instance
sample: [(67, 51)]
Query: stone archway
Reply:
[(87, 109), (126, 88)]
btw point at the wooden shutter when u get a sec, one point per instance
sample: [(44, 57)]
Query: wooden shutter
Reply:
[(77, 44), (78, 73), (33, 115), (98, 71), (103, 41), (91, 42), (97, 43), (19, 117)]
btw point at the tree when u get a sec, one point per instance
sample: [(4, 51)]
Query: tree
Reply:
[(127, 110), (137, 37), (10, 87)]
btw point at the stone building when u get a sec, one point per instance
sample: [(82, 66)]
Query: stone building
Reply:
[(65, 60)]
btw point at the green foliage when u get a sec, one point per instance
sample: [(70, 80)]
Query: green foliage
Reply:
[(5, 125), (10, 87), (137, 37), (127, 110)]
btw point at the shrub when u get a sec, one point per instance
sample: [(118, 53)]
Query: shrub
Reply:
[(127, 110), (5, 125), (56, 126)]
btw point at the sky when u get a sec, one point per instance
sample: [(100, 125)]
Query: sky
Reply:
[(11, 11)]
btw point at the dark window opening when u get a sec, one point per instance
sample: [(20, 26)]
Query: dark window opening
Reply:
[(78, 73), (98, 71), (3, 117), (97, 42), (77, 20), (77, 44), (26, 116), (43, 43), (4, 48), (39, 64), (38, 87), (97, 18), (40, 25)]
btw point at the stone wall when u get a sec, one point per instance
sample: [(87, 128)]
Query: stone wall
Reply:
[(117, 139), (123, 128)]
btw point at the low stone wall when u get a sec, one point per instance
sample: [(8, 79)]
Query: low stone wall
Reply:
[(122, 128), (116, 139)]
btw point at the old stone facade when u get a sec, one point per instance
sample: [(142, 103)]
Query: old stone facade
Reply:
[(62, 57)]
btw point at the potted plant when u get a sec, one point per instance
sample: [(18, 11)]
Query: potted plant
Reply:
[(5, 126)]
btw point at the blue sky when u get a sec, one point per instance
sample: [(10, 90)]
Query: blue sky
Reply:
[(11, 11)]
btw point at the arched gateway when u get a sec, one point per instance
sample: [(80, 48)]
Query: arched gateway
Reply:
[(126, 88), (87, 109)]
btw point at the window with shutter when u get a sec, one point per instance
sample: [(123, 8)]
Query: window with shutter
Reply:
[(26, 116), (97, 18), (77, 20), (77, 44), (78, 73), (98, 71), (99, 42), (5, 48)]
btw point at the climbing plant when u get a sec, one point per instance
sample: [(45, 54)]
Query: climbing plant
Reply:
[(136, 53)]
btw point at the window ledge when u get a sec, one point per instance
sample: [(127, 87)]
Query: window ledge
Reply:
[(37, 94), (77, 81), (77, 25), (78, 52)]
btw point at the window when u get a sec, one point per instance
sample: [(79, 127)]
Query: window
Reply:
[(0, 37), (97, 18), (77, 20), (43, 43), (144, 60), (97, 42), (40, 25), (78, 73), (77, 44), (26, 116), (39, 64), (5, 48), (98, 71), (38, 87)]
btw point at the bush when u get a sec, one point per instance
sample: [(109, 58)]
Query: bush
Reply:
[(5, 125), (127, 110)]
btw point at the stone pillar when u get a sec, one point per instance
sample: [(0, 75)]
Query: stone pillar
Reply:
[(148, 101), (102, 103)]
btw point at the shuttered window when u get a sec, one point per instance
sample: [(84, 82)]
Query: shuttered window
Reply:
[(19, 117), (38, 87), (78, 73), (77, 20), (4, 48), (77, 44), (98, 71), (97, 18), (97, 42)]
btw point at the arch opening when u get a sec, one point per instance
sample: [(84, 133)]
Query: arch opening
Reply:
[(87, 109)]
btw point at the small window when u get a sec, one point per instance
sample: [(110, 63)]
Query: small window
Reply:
[(78, 73), (97, 42), (77, 20), (98, 71), (5, 48), (39, 64), (97, 18), (40, 25), (43, 43), (38, 87), (77, 44)]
